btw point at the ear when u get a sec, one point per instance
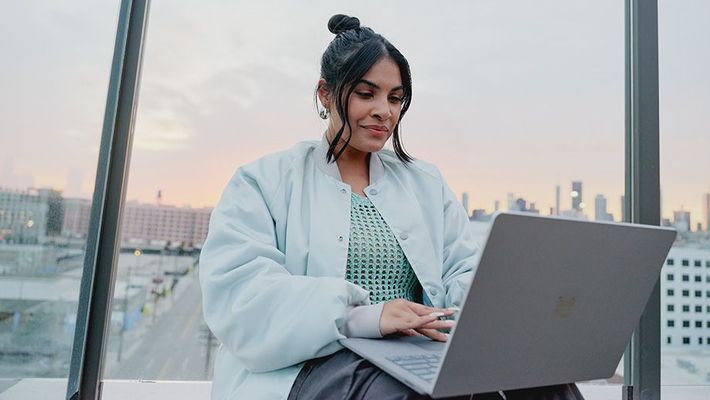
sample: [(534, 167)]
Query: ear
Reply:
[(323, 93)]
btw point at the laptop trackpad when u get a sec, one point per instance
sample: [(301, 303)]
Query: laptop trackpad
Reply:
[(424, 343)]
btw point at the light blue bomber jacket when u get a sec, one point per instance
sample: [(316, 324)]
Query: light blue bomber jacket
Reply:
[(272, 269)]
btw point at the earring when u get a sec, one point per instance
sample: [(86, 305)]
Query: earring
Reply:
[(324, 113)]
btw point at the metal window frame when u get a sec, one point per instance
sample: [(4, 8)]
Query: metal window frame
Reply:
[(102, 246), (642, 360)]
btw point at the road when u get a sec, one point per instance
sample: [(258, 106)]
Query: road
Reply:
[(171, 347)]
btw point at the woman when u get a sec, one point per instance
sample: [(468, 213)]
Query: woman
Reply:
[(335, 238)]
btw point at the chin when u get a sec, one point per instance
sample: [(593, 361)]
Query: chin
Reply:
[(375, 147)]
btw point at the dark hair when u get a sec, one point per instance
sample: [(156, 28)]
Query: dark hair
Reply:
[(349, 56)]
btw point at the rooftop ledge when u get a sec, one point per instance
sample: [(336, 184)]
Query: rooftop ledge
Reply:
[(51, 389)]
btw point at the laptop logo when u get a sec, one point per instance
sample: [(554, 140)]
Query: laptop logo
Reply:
[(564, 306)]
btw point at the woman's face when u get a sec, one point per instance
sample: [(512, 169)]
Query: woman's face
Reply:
[(374, 108)]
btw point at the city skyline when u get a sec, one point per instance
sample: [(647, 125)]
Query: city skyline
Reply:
[(576, 200)]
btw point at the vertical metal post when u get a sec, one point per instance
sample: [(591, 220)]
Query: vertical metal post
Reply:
[(96, 292), (642, 360)]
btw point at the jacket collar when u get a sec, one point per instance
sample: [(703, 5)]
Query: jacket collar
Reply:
[(377, 169)]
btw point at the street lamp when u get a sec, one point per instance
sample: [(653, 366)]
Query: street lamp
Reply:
[(136, 253)]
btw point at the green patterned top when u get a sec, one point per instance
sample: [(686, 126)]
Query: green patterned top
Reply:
[(376, 262)]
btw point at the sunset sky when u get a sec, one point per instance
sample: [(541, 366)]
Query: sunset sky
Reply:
[(509, 96)]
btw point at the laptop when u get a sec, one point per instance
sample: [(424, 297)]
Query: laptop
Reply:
[(553, 300)]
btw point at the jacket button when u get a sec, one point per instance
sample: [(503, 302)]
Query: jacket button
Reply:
[(340, 238), (373, 191), (434, 291), (403, 236), (343, 191)]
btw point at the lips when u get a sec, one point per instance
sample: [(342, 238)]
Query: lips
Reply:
[(377, 129)]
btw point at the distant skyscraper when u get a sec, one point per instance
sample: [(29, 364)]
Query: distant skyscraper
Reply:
[(496, 205), (464, 201), (576, 195), (521, 204), (600, 213), (557, 200), (533, 209), (511, 202), (706, 211), (681, 220)]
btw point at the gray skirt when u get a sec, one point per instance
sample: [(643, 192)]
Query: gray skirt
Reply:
[(346, 376)]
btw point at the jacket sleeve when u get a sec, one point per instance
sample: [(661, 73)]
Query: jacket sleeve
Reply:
[(266, 317), (461, 251)]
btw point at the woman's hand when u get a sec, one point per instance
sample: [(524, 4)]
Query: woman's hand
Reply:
[(413, 319)]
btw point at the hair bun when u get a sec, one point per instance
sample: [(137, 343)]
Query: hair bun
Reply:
[(340, 23)]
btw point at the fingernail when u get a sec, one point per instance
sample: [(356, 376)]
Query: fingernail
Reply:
[(455, 309), (437, 314)]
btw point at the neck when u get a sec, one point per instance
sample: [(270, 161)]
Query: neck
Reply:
[(352, 159)]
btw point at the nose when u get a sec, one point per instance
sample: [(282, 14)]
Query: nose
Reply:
[(381, 109)]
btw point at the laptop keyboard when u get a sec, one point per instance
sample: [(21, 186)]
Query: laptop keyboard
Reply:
[(422, 365)]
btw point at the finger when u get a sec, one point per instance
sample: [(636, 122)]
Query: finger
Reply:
[(424, 319), (433, 334), (421, 309), (424, 310), (439, 324), (410, 332)]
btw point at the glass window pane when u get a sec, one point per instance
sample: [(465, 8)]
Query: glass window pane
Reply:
[(521, 108), (54, 78), (685, 176)]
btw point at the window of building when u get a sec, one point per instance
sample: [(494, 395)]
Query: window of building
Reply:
[(669, 277), (698, 324), (707, 263), (686, 308), (698, 309), (697, 263), (686, 278), (668, 340), (671, 292), (700, 340), (686, 293), (670, 323), (698, 293), (685, 263), (686, 324), (707, 324), (698, 278), (686, 339), (670, 261), (670, 307)]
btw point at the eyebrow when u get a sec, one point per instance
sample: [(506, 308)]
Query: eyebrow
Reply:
[(373, 85)]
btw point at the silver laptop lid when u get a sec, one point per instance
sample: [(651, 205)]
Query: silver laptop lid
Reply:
[(553, 300)]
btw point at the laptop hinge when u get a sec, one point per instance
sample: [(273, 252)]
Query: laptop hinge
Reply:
[(627, 392)]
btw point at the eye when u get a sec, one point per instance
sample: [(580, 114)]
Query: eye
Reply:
[(396, 99), (364, 95)]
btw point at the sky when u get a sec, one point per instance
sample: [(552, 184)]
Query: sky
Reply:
[(509, 96)]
